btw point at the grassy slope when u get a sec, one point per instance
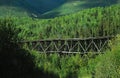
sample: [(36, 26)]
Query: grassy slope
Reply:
[(51, 8)]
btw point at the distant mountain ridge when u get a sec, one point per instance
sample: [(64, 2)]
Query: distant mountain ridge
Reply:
[(49, 8)]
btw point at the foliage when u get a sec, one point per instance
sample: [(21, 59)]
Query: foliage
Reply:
[(15, 61), (105, 65), (8, 35), (109, 65), (65, 66), (96, 21)]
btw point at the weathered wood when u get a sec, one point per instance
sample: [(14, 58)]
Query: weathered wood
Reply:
[(71, 45)]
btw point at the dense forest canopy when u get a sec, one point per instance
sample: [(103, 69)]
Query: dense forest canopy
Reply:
[(100, 21)]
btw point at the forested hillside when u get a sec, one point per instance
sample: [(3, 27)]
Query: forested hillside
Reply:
[(22, 21), (48, 9), (96, 21)]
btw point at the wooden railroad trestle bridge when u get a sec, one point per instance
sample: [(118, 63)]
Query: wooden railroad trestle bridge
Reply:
[(73, 45)]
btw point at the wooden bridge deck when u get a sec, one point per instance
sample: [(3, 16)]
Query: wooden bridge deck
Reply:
[(71, 45)]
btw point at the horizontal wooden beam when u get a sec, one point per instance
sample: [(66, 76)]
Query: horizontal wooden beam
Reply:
[(69, 39)]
